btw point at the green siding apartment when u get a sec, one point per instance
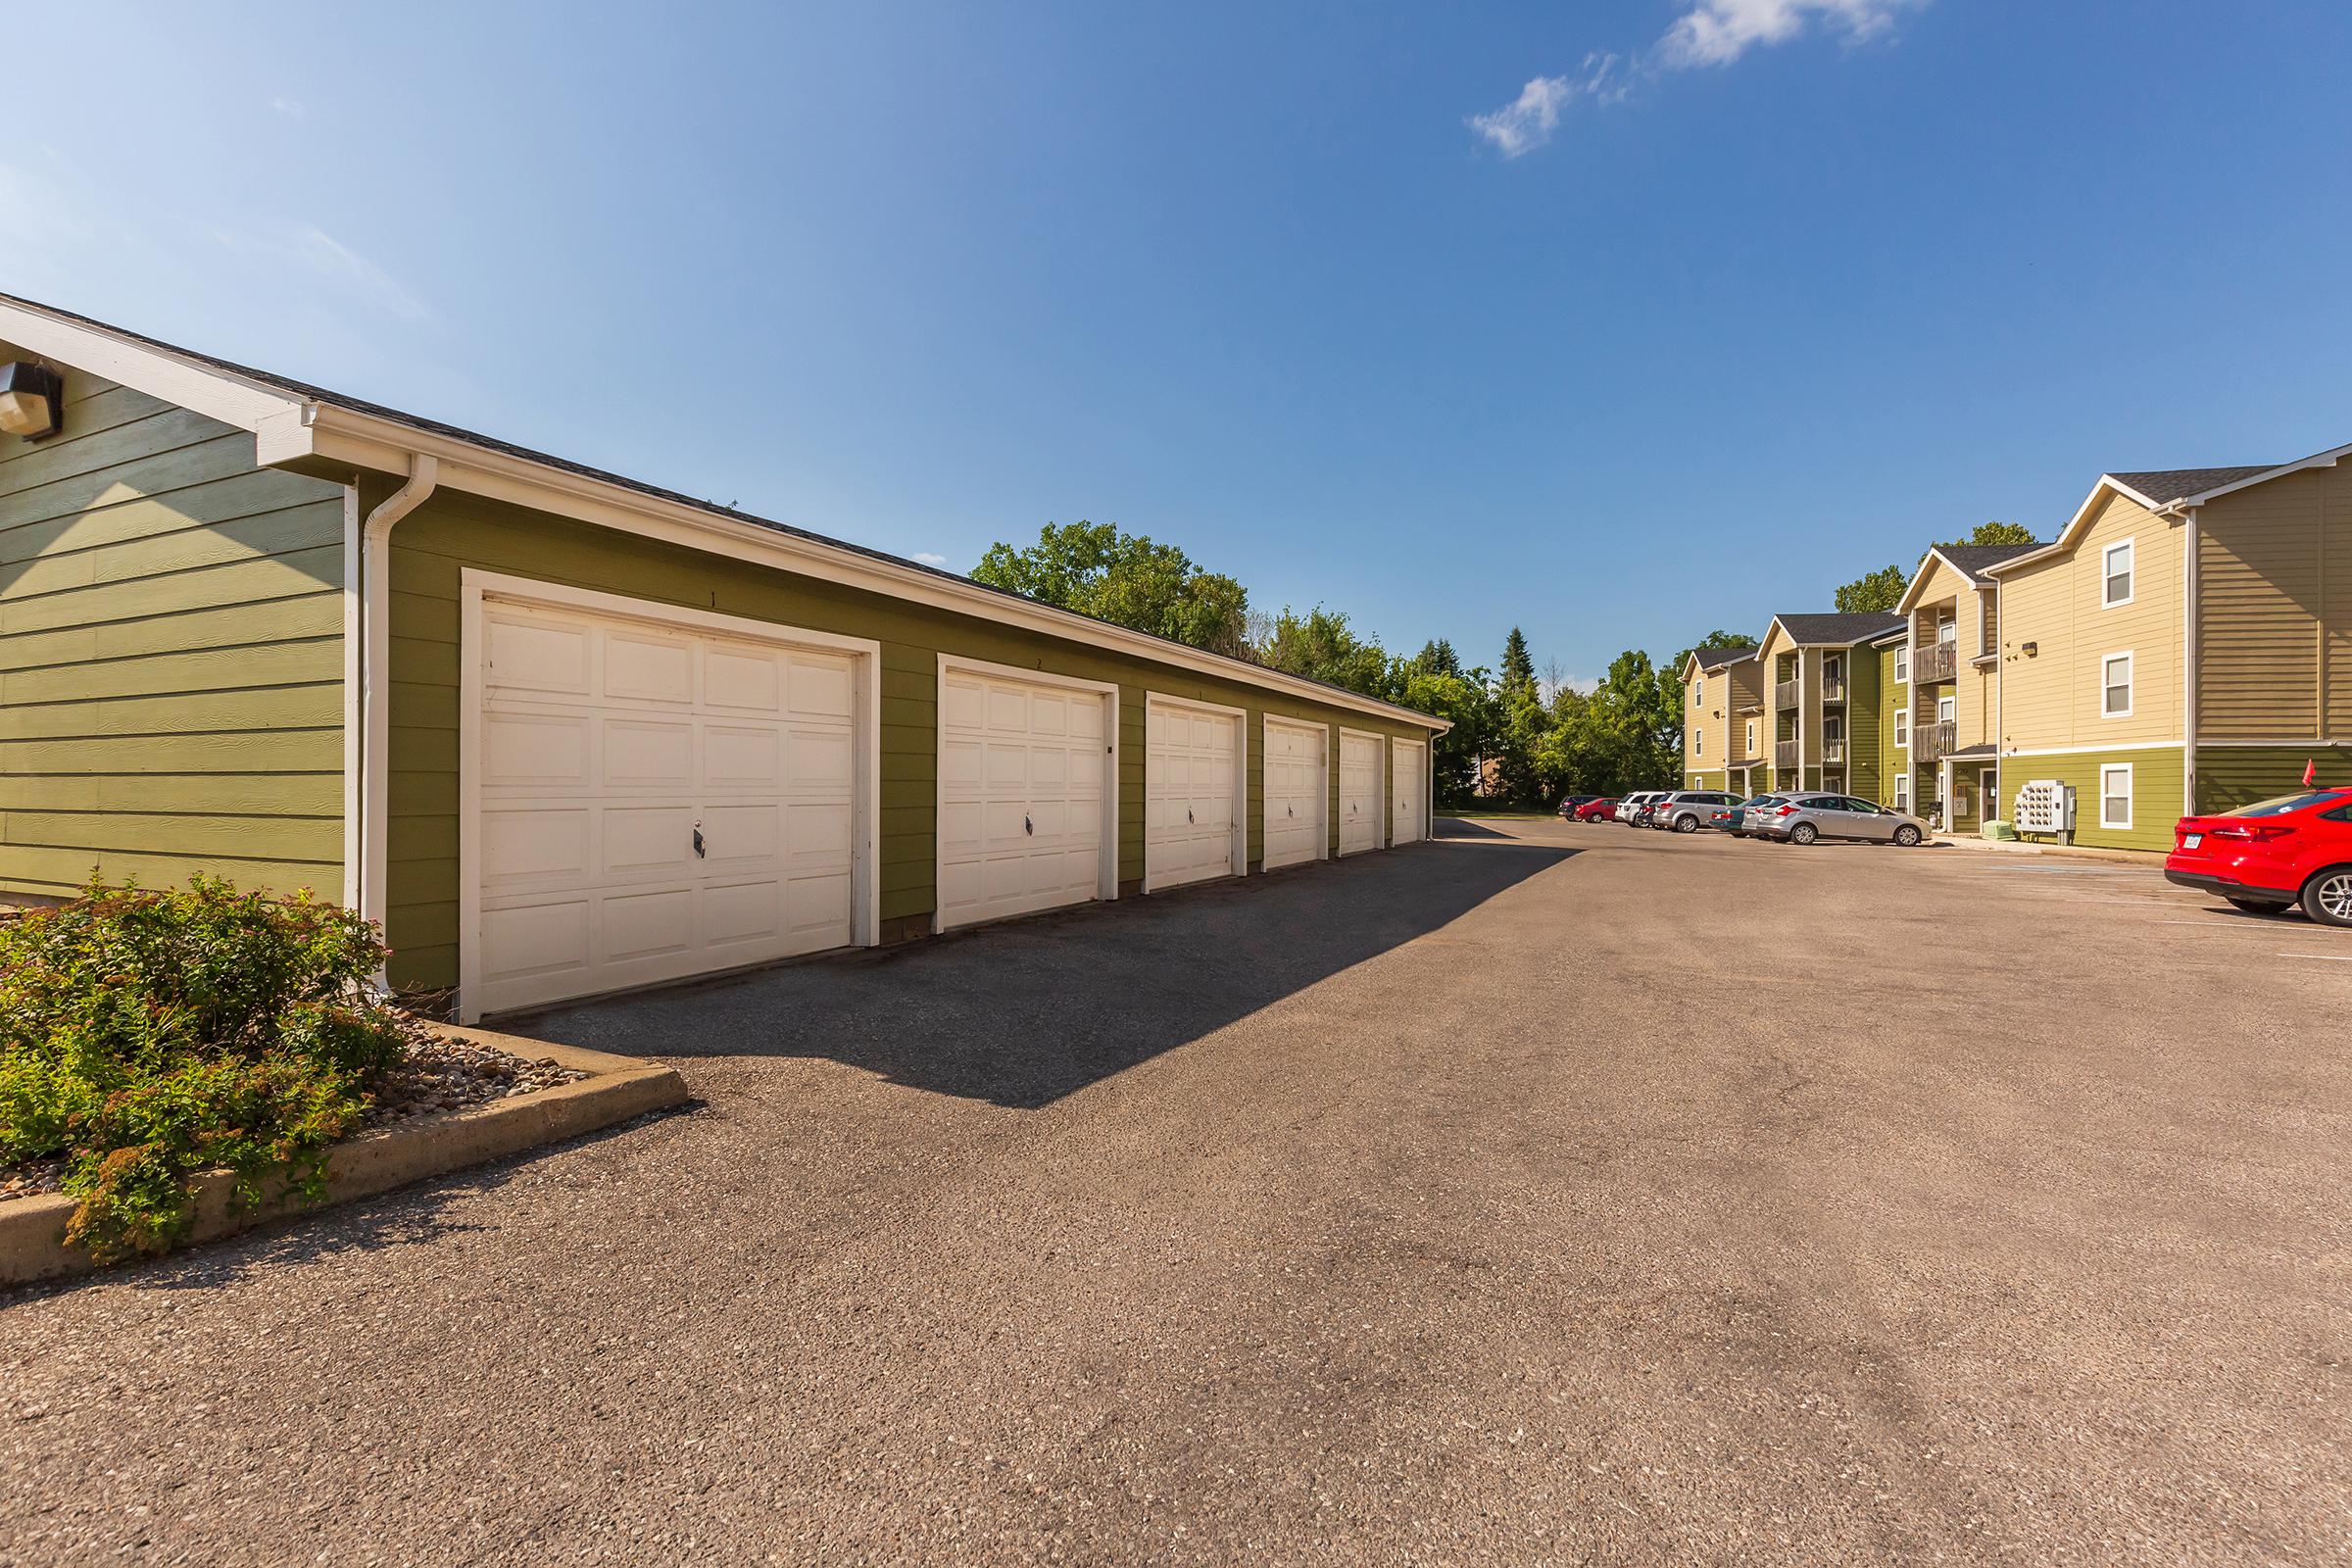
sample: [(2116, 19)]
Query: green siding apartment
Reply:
[(566, 734), (2187, 638)]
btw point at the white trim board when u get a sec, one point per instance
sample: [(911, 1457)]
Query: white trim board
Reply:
[(476, 585), (291, 425)]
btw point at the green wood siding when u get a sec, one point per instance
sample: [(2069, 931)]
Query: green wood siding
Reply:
[(433, 545), (171, 654), (2156, 785), (2232, 776), (1865, 772)]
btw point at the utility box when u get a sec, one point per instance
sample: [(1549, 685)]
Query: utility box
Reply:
[(2045, 809)]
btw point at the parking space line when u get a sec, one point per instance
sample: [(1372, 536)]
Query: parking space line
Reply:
[(2323, 957)]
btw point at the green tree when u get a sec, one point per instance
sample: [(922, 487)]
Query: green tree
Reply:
[(1321, 646), (1708, 644), (1126, 579), (1435, 657), (1463, 699), (1877, 590), (1996, 533), (1518, 669)]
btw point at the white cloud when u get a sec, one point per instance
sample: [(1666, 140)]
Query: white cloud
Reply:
[(1527, 121), (1716, 33), (1712, 32), (308, 246), (291, 107), (930, 560)]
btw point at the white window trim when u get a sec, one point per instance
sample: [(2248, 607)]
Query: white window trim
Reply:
[(2130, 572), (1951, 699), (474, 584), (1902, 728), (1240, 832), (1107, 882), (2130, 795), (1698, 742), (2130, 686), (1902, 791), (1902, 663)]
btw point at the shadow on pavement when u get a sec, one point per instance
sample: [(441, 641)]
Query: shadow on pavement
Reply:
[(1024, 1012)]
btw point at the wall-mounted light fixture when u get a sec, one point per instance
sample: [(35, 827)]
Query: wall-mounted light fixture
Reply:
[(32, 400), (2031, 648)]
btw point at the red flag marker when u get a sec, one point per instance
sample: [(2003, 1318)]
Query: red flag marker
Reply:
[(2309, 769)]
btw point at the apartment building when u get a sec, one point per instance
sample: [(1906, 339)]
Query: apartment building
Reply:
[(1822, 673), (2188, 637), (1951, 610), (1723, 708)]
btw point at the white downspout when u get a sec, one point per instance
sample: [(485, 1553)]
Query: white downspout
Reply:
[(2189, 664), (375, 678)]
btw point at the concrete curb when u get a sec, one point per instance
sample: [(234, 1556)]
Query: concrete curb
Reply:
[(2068, 852), (33, 1229)]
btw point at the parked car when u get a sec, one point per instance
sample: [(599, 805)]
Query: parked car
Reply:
[(1600, 808), (1804, 818), (1629, 808), (1730, 818), (1570, 803), (1686, 810), (1753, 814), (2273, 854)]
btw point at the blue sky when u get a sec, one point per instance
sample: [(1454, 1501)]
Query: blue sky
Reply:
[(1617, 321)]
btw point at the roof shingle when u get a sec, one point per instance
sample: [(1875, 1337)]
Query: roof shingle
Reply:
[(2167, 485), (1839, 628), (1974, 559)]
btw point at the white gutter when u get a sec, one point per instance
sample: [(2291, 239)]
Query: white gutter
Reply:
[(375, 679), (2189, 663)]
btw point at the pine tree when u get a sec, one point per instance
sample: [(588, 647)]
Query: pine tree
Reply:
[(1518, 669)]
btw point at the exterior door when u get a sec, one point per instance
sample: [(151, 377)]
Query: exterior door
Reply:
[(1022, 819), (1193, 793), (1409, 783), (649, 802), (1988, 792), (1360, 793), (1296, 793)]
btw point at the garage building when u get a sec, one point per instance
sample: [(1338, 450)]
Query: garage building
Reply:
[(564, 733)]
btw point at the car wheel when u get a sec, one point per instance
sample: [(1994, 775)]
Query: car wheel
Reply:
[(1686, 824), (1803, 833), (2250, 906), (2327, 897), (1907, 836)]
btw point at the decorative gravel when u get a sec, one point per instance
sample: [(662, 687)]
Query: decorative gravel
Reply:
[(438, 1074)]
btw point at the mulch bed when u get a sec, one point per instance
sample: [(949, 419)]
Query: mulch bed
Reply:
[(438, 1074)]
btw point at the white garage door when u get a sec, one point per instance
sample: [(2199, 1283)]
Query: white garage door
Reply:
[(1295, 793), (1410, 779), (1022, 821), (1360, 792), (1192, 796), (653, 803)]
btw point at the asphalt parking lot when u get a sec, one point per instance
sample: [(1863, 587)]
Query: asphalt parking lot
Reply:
[(1546, 1195)]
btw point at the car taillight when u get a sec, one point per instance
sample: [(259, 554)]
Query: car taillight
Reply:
[(2254, 832), (1786, 810)]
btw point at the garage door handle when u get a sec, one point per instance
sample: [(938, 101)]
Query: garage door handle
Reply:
[(1028, 827), (698, 841), (1188, 813)]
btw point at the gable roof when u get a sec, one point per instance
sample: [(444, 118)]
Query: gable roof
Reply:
[(2161, 487), (2167, 490), (1973, 561), (1713, 658), (1840, 628), (295, 420)]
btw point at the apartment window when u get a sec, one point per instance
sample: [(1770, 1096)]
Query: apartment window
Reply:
[(2115, 686), (1833, 726), (1947, 709), (1902, 791), (1947, 630), (2117, 587), (2115, 795), (1698, 743), (1752, 736), (1902, 661), (1903, 726), (1831, 667)]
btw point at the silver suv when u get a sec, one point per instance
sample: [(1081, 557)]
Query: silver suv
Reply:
[(1804, 818), (1688, 810)]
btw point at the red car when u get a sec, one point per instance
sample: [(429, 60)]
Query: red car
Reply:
[(1603, 809), (2294, 849)]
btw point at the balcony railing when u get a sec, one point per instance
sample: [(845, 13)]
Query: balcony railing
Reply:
[(1784, 754), (1784, 695), (1935, 741), (1833, 688), (1833, 752), (1934, 662)]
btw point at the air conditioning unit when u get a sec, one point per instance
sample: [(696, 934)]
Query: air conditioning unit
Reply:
[(2046, 806)]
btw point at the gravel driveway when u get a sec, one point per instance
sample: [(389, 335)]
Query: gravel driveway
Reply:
[(1543, 1195)]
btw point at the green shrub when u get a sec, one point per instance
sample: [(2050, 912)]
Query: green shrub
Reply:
[(150, 1036)]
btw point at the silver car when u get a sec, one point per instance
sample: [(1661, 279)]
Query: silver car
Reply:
[(1688, 810), (1801, 819)]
